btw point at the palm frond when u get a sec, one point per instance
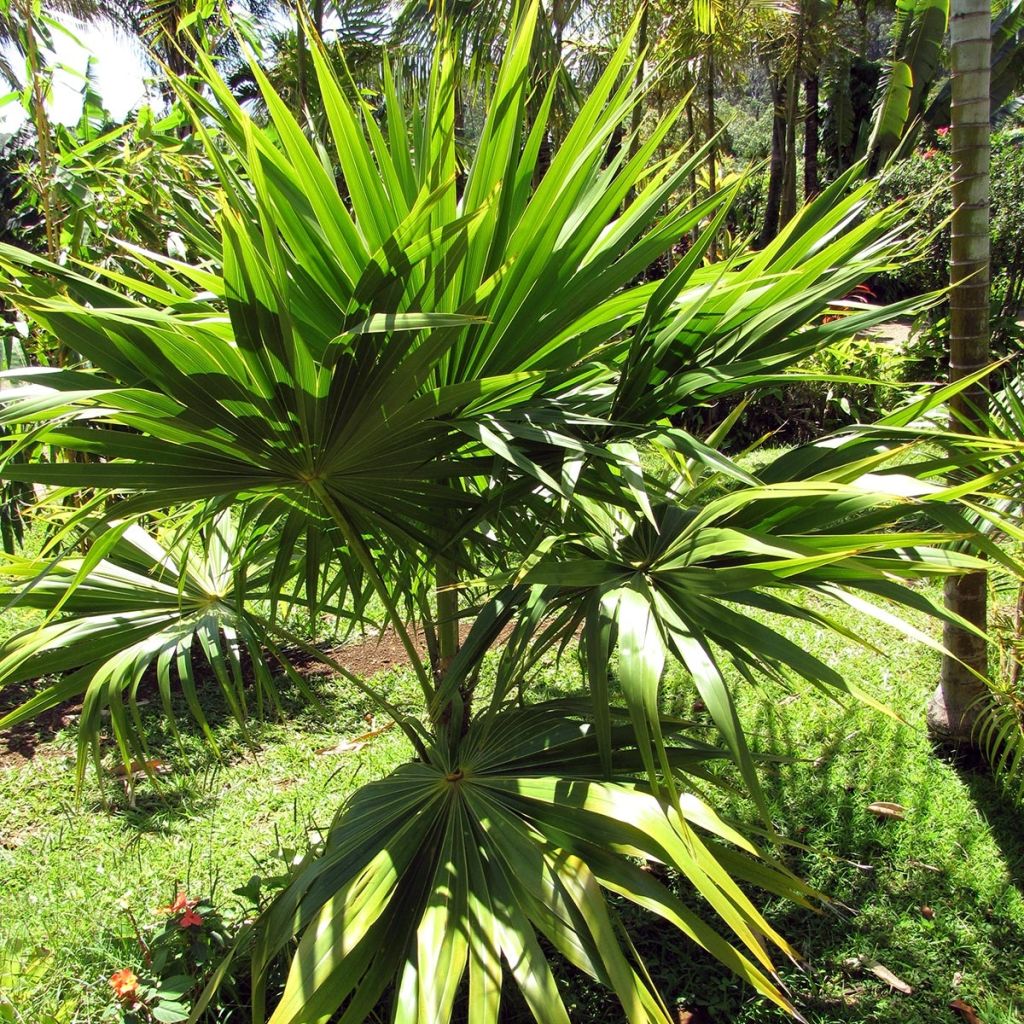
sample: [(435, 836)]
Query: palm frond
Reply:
[(139, 609)]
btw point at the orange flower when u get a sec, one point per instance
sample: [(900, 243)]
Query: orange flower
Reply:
[(125, 984), (180, 905), (190, 918)]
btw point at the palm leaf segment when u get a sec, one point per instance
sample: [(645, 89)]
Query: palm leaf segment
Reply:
[(713, 580)]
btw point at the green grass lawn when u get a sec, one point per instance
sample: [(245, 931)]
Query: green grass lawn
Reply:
[(67, 868)]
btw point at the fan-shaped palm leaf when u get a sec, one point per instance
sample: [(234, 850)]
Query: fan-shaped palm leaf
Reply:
[(135, 608), (515, 838)]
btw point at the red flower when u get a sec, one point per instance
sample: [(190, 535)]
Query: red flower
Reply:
[(180, 905), (942, 132), (929, 153), (125, 985), (190, 918)]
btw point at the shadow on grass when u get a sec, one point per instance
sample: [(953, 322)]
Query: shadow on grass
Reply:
[(1004, 820), (958, 853), (152, 805)]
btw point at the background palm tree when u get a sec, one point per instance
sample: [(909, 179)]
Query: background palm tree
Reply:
[(17, 21), (955, 704)]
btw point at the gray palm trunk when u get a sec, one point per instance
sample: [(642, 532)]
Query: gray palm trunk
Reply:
[(954, 706)]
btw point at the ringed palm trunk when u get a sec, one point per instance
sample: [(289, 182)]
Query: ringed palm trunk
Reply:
[(953, 708)]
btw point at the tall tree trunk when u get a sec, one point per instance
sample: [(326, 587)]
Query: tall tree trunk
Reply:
[(811, 137), (41, 120), (776, 167), (952, 710), (691, 127), (638, 111), (862, 17), (789, 202), (460, 134), (641, 45), (710, 103)]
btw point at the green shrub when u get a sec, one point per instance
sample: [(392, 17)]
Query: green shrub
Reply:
[(924, 178), (803, 409)]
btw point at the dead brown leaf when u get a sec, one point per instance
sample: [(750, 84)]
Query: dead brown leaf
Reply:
[(887, 809), (356, 742), (927, 913), (851, 996), (968, 1012), (879, 971), (343, 747)]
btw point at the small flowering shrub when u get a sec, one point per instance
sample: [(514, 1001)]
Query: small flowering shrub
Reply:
[(180, 952), (178, 956), (924, 177)]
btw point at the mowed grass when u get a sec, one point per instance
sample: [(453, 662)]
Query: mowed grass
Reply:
[(67, 868)]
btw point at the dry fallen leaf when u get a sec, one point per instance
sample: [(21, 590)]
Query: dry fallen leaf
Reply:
[(886, 809), (139, 770), (968, 1012), (357, 742), (851, 996), (880, 972), (343, 747), (927, 913)]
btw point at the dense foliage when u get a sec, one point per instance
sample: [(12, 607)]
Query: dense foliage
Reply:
[(430, 350)]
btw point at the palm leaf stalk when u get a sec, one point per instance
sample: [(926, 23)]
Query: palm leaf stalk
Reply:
[(423, 384)]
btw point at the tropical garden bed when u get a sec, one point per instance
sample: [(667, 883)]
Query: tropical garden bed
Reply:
[(937, 898), (464, 359)]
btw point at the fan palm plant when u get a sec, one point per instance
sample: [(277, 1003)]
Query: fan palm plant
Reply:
[(434, 383)]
